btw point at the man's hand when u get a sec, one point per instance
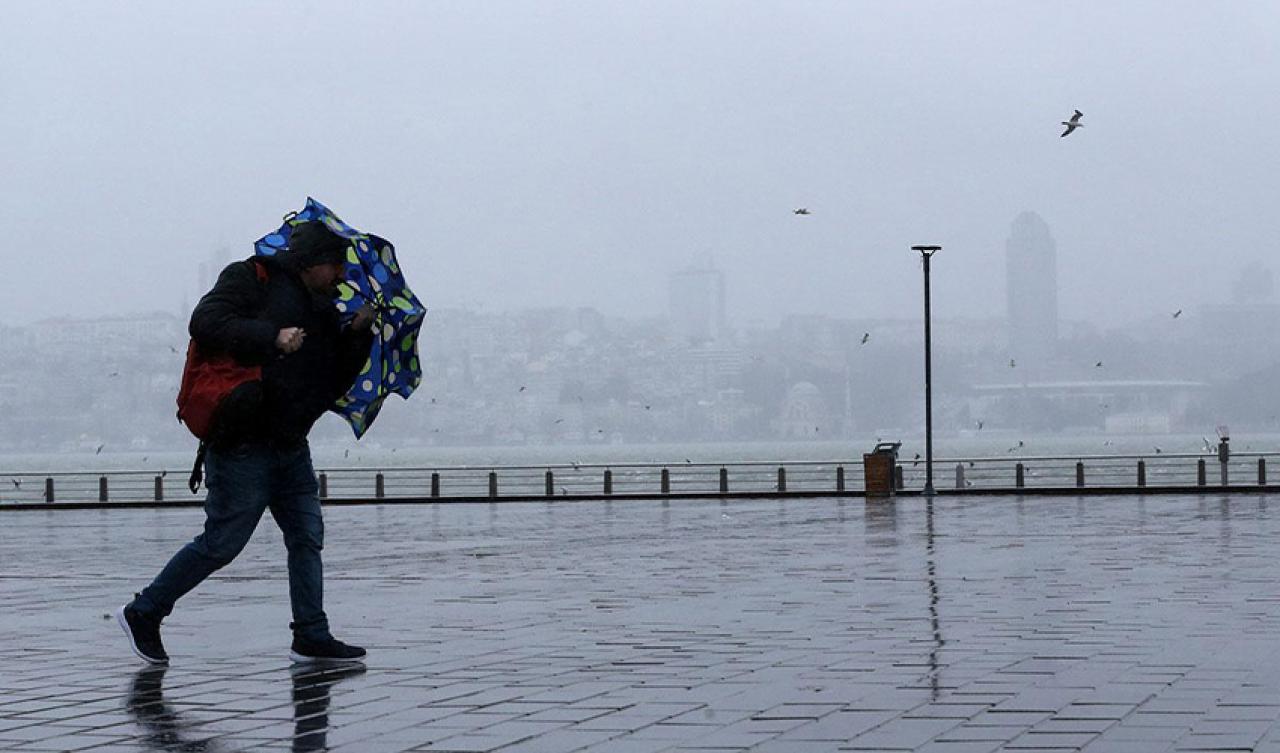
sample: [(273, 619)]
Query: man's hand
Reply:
[(363, 318), (289, 339)]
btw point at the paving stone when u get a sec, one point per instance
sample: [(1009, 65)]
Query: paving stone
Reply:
[(901, 734), (1052, 740), (981, 733), (958, 747)]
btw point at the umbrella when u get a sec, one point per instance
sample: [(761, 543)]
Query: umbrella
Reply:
[(372, 276)]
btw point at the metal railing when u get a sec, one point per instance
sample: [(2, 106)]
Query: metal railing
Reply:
[(1161, 470), (584, 480), (1090, 473)]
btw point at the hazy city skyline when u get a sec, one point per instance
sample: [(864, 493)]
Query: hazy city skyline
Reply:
[(541, 154)]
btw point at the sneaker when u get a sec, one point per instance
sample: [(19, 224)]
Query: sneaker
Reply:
[(143, 633), (328, 650)]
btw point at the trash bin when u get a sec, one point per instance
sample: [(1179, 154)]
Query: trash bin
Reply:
[(878, 469)]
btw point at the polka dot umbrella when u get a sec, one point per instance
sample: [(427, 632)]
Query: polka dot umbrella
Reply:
[(372, 275)]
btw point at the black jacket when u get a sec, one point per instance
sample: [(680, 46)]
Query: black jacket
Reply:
[(241, 316)]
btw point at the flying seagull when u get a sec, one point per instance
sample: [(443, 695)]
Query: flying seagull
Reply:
[(865, 336), (1177, 313), (1074, 123), (801, 210)]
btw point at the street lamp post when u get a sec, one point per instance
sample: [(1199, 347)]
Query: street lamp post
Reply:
[(927, 252)]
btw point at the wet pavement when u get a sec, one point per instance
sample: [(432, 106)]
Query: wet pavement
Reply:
[(972, 624)]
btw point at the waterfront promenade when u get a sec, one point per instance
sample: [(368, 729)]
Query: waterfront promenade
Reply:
[(1125, 623)]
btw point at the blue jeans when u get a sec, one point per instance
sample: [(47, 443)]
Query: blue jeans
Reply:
[(243, 482)]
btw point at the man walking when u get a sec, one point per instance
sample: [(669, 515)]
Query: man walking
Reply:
[(277, 313)]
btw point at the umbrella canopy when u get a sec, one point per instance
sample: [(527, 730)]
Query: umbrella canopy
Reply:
[(373, 276)]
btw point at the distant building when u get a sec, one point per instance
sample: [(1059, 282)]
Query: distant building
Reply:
[(1032, 292), (1243, 335), (1120, 406), (208, 270), (804, 413), (112, 333), (697, 304)]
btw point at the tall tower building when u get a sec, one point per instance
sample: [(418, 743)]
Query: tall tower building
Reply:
[(697, 303), (208, 270), (1032, 291)]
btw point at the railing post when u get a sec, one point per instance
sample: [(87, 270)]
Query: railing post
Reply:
[(550, 488), (898, 483), (782, 479), (48, 489), (1019, 477), (102, 488), (435, 485), (1200, 473), (1142, 473), (666, 481), (379, 486), (608, 481), (959, 475), (324, 485), (839, 478), (159, 488), (724, 481), (1224, 458), (493, 484), (1262, 471), (1079, 474)]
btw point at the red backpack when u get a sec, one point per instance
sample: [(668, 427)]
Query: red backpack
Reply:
[(206, 381)]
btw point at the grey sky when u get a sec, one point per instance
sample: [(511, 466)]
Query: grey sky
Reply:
[(543, 153)]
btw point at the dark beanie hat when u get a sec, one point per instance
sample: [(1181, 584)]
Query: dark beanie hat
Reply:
[(312, 244)]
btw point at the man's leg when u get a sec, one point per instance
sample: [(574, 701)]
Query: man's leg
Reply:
[(296, 508), (238, 484)]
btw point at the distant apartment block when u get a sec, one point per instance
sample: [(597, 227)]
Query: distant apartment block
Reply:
[(697, 305), (1032, 292)]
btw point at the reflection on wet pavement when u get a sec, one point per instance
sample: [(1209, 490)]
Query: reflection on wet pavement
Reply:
[(162, 727), (312, 688)]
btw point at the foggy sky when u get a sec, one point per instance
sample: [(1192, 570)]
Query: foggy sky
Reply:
[(540, 154)]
